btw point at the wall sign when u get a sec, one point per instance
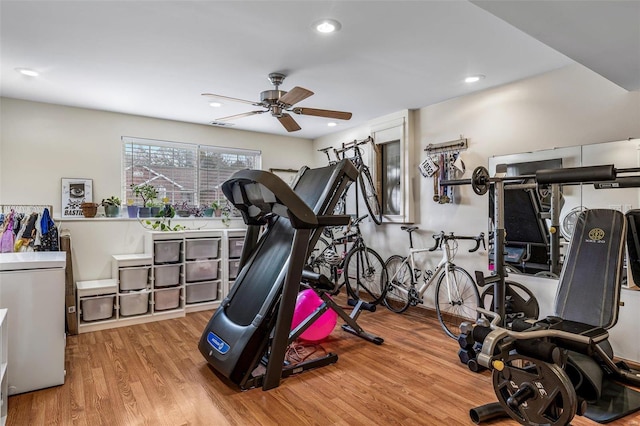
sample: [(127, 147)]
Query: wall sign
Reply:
[(75, 191)]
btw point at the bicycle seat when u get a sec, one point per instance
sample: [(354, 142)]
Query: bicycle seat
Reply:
[(409, 229)]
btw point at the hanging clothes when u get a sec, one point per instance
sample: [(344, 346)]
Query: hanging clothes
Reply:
[(7, 239), (27, 234), (49, 240)]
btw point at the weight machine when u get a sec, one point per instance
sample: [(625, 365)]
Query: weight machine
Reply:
[(545, 372)]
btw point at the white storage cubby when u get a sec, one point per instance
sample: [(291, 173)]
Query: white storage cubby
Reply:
[(96, 302), (133, 271), (202, 248), (203, 269), (205, 291), (166, 275), (179, 272), (134, 303), (166, 299), (96, 308), (4, 351)]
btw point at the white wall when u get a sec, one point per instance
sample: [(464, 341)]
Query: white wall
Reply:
[(566, 107), (42, 143)]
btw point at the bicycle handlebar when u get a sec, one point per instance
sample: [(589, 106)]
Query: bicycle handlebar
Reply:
[(446, 237), (353, 145)]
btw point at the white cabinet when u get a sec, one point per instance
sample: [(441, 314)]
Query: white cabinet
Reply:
[(179, 272), (32, 290)]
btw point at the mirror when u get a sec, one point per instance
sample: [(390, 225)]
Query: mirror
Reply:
[(528, 214)]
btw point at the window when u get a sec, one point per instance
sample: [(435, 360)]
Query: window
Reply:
[(390, 176), (393, 138), (182, 172)]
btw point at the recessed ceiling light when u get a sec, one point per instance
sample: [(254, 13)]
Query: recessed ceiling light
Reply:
[(332, 124), (473, 78), (215, 104), (28, 72), (327, 26)]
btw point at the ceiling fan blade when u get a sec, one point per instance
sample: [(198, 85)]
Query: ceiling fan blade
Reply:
[(289, 123), (339, 115), (244, 114), (295, 95), (231, 99)]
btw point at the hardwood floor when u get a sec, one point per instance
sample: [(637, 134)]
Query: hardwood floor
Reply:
[(153, 374)]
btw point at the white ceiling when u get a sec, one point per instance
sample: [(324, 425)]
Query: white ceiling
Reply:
[(155, 58)]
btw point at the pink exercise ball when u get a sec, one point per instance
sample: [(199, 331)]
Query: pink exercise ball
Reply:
[(307, 302)]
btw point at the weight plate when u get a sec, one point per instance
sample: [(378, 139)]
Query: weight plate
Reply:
[(480, 180), (519, 303), (534, 392)]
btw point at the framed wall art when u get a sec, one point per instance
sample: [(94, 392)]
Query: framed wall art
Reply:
[(75, 191)]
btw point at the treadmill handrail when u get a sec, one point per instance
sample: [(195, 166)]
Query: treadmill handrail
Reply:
[(295, 209), (298, 211)]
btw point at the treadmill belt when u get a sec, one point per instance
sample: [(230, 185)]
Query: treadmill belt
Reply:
[(260, 274)]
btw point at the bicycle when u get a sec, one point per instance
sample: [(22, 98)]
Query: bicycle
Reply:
[(361, 267), (370, 195), (456, 293)]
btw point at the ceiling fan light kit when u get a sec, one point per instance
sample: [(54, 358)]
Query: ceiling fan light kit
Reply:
[(278, 103)]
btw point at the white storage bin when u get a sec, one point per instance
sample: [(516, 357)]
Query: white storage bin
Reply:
[(166, 251), (97, 307), (166, 299), (202, 270), (234, 266), (235, 246), (202, 292), (202, 248), (134, 303), (166, 275), (134, 278)]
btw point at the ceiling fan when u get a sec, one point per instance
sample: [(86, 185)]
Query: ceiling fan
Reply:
[(279, 102)]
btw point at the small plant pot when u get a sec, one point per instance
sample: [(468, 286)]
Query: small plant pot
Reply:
[(89, 209), (155, 211), (144, 212), (183, 213), (112, 211), (208, 212), (132, 211), (218, 212)]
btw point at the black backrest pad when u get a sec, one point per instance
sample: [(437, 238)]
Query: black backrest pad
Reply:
[(522, 220), (589, 287), (267, 264)]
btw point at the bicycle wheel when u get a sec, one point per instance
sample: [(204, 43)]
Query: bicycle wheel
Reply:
[(397, 297), (365, 275), (317, 261), (370, 196), (457, 298)]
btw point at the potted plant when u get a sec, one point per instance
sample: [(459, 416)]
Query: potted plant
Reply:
[(132, 209), (111, 206), (148, 193), (155, 206), (89, 209), (214, 208), (182, 209), (217, 208)]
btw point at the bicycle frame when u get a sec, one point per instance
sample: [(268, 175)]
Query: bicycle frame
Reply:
[(352, 237), (411, 262)]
